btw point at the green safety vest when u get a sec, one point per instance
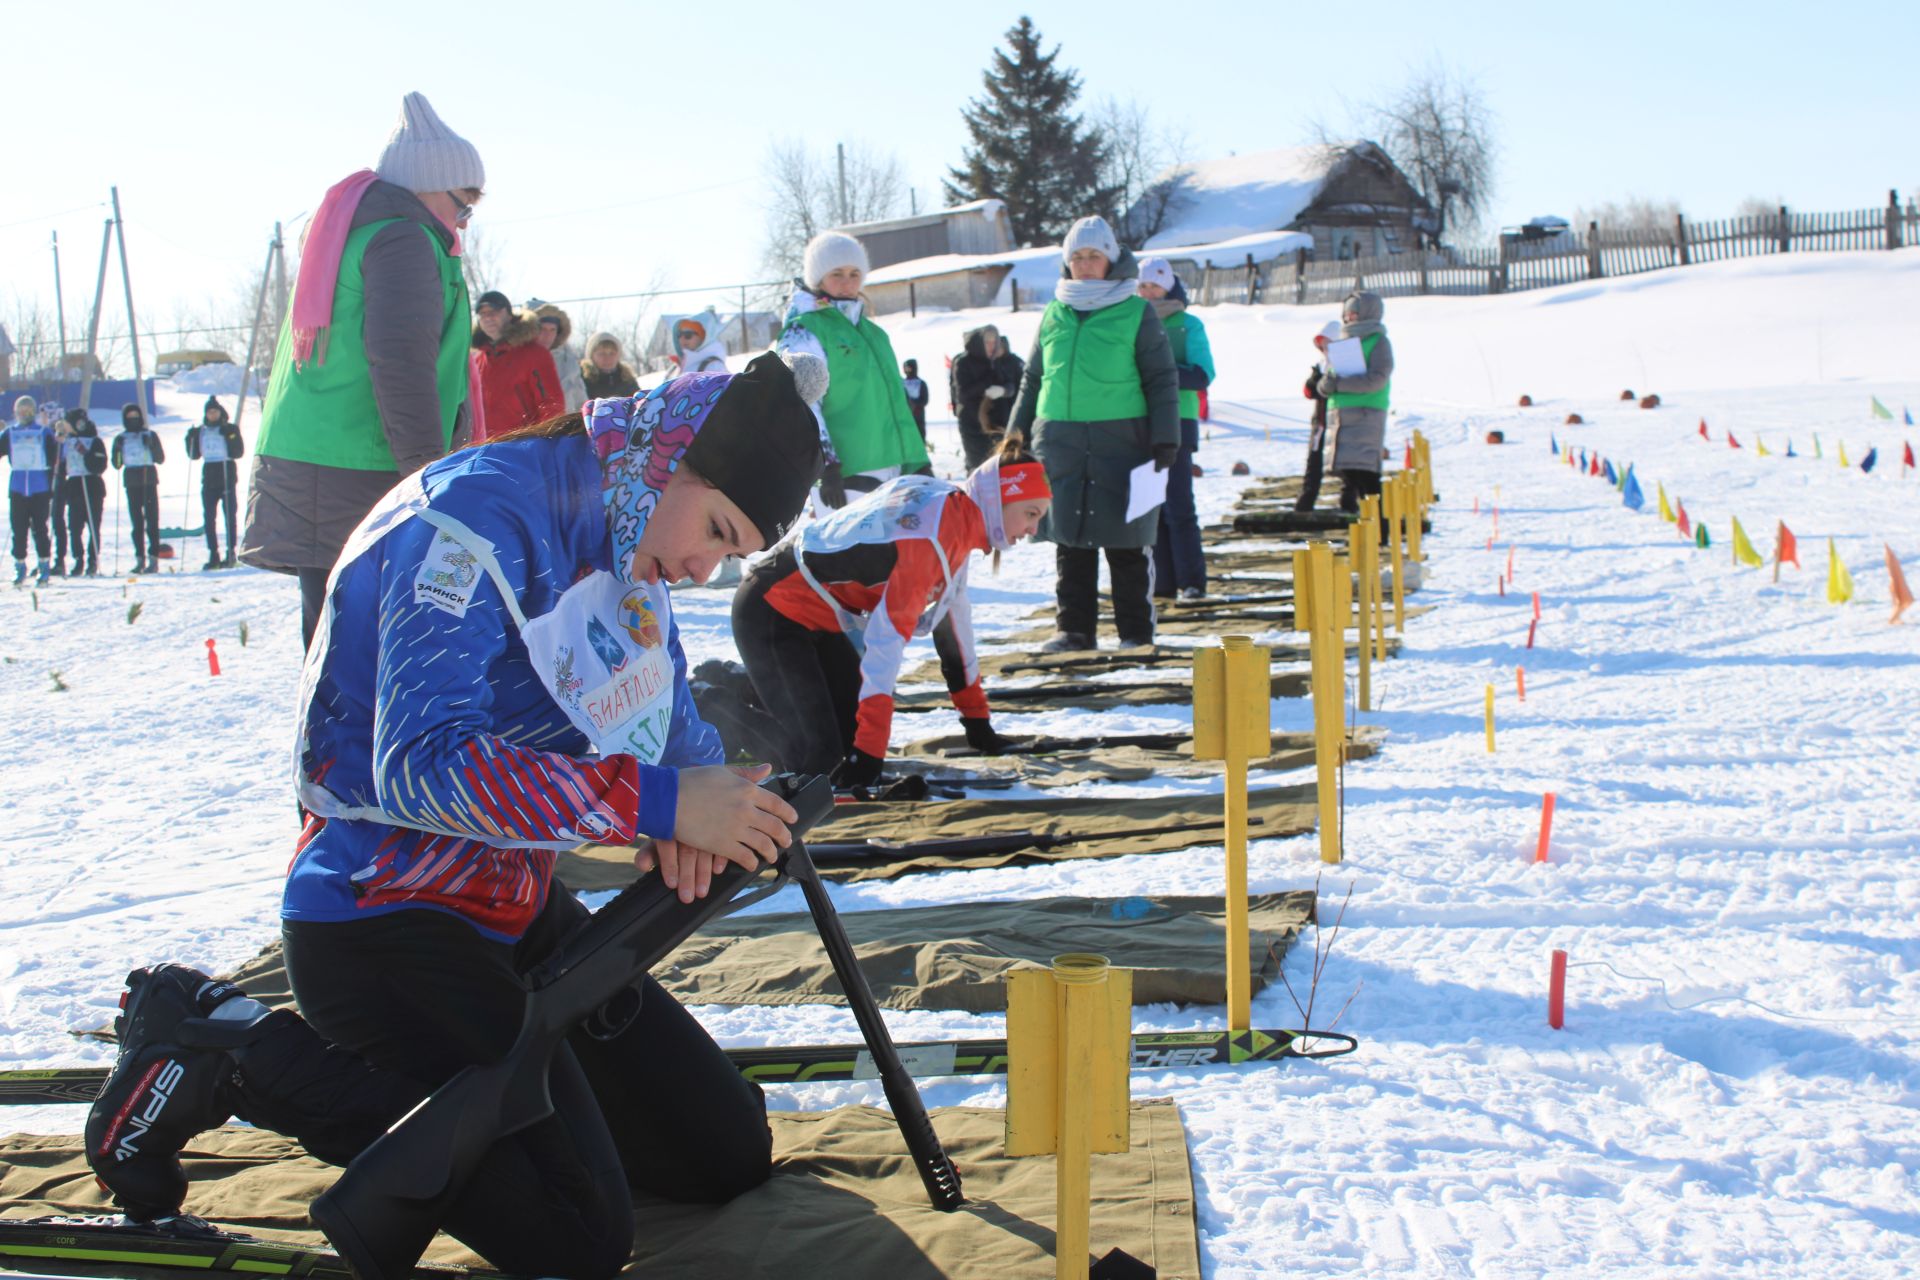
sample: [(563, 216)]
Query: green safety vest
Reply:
[(865, 408), (1087, 369), (1176, 325), (1371, 399), (325, 413)]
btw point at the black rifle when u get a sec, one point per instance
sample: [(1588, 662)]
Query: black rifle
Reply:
[(1046, 745), (979, 846), (383, 1211)]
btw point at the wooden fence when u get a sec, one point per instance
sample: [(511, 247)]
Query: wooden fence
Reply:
[(1536, 263)]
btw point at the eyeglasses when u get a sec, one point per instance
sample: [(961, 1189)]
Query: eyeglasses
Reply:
[(464, 200), (689, 335)]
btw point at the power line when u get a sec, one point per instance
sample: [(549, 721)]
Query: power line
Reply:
[(48, 217)]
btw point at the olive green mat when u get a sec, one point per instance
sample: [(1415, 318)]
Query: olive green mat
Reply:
[(843, 1201)]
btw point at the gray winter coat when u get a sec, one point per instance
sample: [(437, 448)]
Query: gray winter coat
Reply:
[(300, 514), (1089, 463), (1359, 434)]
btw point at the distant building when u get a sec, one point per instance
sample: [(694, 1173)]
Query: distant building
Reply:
[(976, 228), (1350, 198), (168, 363)]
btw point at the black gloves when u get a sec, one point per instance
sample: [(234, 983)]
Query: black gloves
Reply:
[(982, 738), (1192, 377), (858, 770), (833, 486), (1165, 455)]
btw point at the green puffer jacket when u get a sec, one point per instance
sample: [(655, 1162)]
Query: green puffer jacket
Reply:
[(1100, 392)]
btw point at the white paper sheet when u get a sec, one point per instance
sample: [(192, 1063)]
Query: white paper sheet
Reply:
[(1146, 489), (1347, 358)]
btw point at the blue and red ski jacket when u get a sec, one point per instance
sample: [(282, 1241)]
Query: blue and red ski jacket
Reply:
[(437, 718)]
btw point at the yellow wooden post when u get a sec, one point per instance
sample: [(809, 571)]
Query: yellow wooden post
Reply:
[(1489, 719), (1233, 721), (1415, 513), (1328, 646), (1359, 536), (1069, 1040), (1370, 515), (1396, 496)]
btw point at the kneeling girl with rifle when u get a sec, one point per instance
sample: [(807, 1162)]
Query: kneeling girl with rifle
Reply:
[(823, 623), (497, 677)]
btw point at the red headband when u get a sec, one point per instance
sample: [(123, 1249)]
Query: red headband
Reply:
[(1023, 482)]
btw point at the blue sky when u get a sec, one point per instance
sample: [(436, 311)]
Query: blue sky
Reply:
[(623, 141)]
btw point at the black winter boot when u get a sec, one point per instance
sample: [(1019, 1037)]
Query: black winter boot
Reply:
[(171, 1081)]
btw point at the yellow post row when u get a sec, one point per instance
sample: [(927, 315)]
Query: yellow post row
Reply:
[(1069, 1041), (1360, 536), (1395, 494), (1233, 721)]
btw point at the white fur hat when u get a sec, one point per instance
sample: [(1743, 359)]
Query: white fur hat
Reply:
[(422, 154), (831, 250), (1157, 271), (1090, 233)]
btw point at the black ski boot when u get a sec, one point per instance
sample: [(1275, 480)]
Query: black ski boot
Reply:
[(172, 1080)]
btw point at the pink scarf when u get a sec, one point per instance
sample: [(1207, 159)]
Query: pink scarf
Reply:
[(326, 242)]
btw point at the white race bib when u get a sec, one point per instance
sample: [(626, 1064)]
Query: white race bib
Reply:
[(27, 452), (76, 459), (602, 653), (213, 445), (134, 452)]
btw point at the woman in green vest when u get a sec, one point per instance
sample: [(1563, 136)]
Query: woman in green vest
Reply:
[(1357, 403), (370, 380), (1179, 559), (866, 424), (1100, 398)]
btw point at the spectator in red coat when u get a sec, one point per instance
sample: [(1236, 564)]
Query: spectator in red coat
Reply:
[(519, 383)]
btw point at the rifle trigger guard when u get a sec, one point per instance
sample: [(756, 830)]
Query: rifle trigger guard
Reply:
[(615, 1016)]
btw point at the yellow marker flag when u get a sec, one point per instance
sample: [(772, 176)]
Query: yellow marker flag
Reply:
[(1843, 455), (1760, 447), (1666, 508), (1839, 581), (1743, 552)]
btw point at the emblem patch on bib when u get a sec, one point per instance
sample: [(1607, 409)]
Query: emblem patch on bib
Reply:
[(448, 576), (637, 617)]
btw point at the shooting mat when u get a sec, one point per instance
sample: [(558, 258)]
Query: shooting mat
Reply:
[(843, 1201)]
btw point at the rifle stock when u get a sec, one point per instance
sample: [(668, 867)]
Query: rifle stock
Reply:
[(383, 1211)]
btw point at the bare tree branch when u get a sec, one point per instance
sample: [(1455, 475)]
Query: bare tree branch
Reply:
[(1439, 131), (803, 196)]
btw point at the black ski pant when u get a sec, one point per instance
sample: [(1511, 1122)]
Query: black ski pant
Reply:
[(1356, 484), (809, 681), (1316, 467), (143, 515), (29, 515), (57, 520), (1179, 558), (86, 498), (1077, 591), (408, 998), (313, 598), (217, 490)]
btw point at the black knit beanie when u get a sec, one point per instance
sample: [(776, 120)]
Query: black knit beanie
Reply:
[(760, 445)]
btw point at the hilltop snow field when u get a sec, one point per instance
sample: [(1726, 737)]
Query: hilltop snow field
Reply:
[(1733, 870)]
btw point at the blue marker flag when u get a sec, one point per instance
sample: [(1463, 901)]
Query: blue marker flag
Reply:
[(1630, 494), (1873, 456)]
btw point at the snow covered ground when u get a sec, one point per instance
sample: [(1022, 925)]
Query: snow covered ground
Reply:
[(1733, 866)]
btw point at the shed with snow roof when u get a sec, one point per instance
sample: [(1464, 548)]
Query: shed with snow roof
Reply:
[(975, 228), (1349, 197)]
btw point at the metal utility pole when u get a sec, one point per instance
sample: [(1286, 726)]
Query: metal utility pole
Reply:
[(253, 334), (913, 202), (279, 283), (845, 216), (59, 304), (133, 332), (93, 323)]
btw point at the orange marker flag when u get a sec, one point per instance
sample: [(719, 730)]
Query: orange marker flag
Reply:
[(1520, 673), (1902, 596), (1686, 525), (1785, 549)]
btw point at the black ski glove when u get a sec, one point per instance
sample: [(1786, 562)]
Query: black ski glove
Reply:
[(1164, 456), (858, 770), (833, 486), (982, 738)]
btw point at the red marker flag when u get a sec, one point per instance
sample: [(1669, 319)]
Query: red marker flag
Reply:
[(1731, 442), (1907, 460), (1703, 430), (1789, 550), (1686, 525), (213, 659)]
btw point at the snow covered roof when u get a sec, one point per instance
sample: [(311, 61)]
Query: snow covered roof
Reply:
[(988, 209), (947, 263), (1237, 196), (1041, 267), (1265, 246)]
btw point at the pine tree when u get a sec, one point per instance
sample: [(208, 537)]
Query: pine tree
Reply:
[(1029, 148)]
